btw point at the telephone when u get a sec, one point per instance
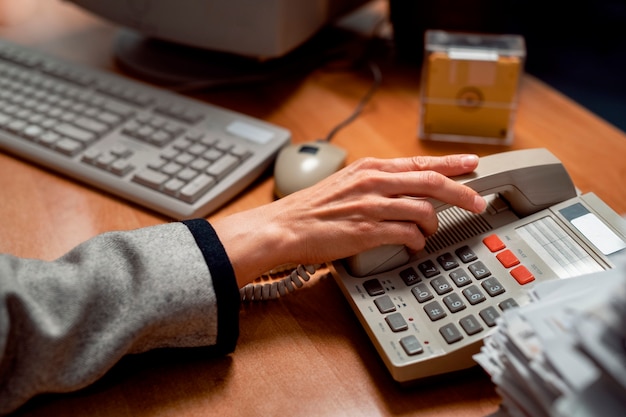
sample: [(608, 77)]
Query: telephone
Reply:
[(427, 313)]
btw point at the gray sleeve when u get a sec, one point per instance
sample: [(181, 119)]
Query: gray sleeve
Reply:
[(64, 323)]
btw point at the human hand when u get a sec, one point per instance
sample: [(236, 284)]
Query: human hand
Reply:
[(370, 203)]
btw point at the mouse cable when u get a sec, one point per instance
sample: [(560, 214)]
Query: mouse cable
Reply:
[(376, 74), (278, 288)]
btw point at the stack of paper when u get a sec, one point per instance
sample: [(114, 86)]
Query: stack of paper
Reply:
[(564, 354)]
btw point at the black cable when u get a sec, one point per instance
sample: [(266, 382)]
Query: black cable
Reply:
[(376, 74)]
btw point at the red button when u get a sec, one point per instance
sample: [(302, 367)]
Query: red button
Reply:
[(522, 275), (494, 243), (507, 259)]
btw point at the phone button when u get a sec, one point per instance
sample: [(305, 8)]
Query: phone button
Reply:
[(409, 276), (471, 325), (494, 243), (434, 311), (396, 322), (451, 333), (384, 304), (466, 254), (507, 258), (489, 316), (522, 275), (373, 287), (411, 345)]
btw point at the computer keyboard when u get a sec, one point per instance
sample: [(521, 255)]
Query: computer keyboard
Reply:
[(178, 156)]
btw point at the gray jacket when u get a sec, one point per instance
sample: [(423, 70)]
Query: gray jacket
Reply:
[(64, 323)]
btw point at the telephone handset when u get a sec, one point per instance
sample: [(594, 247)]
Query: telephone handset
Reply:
[(529, 180), (427, 313)]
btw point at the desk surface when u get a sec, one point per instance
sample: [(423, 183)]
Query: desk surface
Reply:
[(305, 354)]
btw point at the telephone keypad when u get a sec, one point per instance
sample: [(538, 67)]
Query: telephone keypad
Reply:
[(466, 271)]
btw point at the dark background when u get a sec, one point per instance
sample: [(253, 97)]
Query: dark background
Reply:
[(577, 47)]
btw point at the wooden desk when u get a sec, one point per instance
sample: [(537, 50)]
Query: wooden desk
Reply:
[(305, 354)]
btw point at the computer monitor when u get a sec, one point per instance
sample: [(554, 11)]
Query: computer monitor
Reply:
[(220, 41)]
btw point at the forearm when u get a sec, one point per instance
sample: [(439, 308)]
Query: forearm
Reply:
[(65, 323)]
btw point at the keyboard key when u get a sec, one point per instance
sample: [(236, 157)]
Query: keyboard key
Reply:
[(441, 285), (454, 302), (220, 168), (489, 316), (450, 333), (68, 146), (507, 259), (474, 295), (396, 322), (508, 303), (409, 276), (198, 186), (421, 293), (150, 178), (411, 345), (173, 186), (470, 325), (373, 287), (492, 286), (74, 132), (460, 277), (466, 254), (522, 275), (121, 167), (447, 261), (479, 270), (493, 243), (428, 268), (91, 125), (435, 311), (385, 304)]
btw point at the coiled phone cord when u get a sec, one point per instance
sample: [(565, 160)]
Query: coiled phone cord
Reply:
[(278, 288)]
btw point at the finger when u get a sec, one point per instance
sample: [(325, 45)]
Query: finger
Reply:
[(449, 165), (432, 184), (416, 211), (407, 234)]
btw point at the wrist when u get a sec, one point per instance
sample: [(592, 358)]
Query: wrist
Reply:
[(254, 241)]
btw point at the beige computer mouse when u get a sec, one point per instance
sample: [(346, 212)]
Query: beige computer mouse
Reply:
[(301, 165)]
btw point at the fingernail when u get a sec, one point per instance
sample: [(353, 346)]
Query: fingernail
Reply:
[(469, 161), (479, 204)]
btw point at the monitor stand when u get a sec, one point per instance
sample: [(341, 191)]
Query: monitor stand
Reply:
[(186, 68)]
